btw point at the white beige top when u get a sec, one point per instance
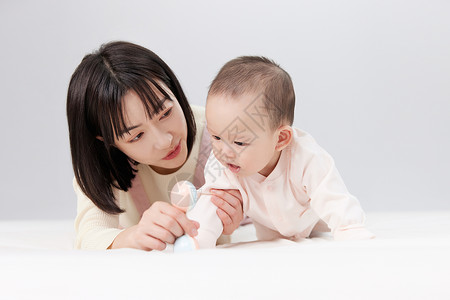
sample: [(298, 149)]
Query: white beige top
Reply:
[(96, 229)]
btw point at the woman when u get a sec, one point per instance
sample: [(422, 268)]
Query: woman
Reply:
[(132, 136)]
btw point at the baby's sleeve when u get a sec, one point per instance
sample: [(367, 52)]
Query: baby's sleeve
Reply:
[(204, 211), (331, 200)]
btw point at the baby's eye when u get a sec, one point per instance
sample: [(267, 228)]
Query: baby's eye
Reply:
[(241, 143), (216, 137), (137, 137)]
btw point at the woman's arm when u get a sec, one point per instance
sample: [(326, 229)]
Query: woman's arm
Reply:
[(97, 230), (160, 224)]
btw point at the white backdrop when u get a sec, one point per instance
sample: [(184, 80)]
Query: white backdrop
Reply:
[(372, 80)]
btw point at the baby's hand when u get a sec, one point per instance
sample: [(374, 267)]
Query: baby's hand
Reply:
[(229, 208)]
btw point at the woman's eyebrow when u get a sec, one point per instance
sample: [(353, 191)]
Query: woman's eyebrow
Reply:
[(128, 129)]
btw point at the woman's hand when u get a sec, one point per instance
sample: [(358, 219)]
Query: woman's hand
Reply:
[(229, 208), (160, 224)]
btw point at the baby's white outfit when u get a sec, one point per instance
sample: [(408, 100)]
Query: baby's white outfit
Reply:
[(303, 192)]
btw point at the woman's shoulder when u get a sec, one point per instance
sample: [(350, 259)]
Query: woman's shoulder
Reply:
[(199, 113), (197, 108)]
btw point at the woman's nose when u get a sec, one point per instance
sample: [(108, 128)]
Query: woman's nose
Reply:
[(163, 140)]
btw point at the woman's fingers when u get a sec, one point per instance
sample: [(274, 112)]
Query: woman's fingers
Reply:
[(178, 223), (149, 243), (169, 224), (160, 224), (164, 222), (162, 234)]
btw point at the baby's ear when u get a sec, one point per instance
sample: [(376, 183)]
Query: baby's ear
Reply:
[(285, 134)]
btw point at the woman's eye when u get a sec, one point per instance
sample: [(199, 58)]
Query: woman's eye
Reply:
[(216, 137), (137, 137), (166, 114)]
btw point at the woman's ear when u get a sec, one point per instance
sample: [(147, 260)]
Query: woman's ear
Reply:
[(285, 134)]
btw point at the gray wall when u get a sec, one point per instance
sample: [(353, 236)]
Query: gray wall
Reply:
[(372, 80)]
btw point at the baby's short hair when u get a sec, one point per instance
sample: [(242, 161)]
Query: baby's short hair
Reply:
[(262, 77)]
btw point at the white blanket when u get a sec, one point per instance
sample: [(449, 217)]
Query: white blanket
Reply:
[(409, 259)]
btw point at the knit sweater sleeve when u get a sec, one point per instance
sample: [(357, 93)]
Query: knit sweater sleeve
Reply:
[(95, 229)]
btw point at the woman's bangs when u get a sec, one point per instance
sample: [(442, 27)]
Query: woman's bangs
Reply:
[(152, 103), (115, 126)]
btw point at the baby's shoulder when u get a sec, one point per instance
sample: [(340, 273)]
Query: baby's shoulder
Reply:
[(305, 150), (305, 143)]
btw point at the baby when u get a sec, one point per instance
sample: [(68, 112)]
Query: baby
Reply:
[(289, 184)]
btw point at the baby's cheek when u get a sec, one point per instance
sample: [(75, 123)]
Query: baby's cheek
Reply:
[(217, 154), (246, 161)]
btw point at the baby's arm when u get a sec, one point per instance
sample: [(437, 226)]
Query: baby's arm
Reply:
[(204, 212), (211, 227), (333, 203)]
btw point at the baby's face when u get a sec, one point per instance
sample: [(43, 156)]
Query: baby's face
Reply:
[(240, 134)]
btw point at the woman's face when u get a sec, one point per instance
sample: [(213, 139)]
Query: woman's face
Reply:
[(159, 142)]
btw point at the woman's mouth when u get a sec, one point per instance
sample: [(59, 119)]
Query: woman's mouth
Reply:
[(233, 168), (174, 153)]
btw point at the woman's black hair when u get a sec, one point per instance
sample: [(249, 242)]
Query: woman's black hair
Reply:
[(95, 109)]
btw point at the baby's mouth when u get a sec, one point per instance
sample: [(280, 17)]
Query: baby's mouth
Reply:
[(233, 168)]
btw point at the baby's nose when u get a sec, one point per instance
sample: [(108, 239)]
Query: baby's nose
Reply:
[(228, 151)]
